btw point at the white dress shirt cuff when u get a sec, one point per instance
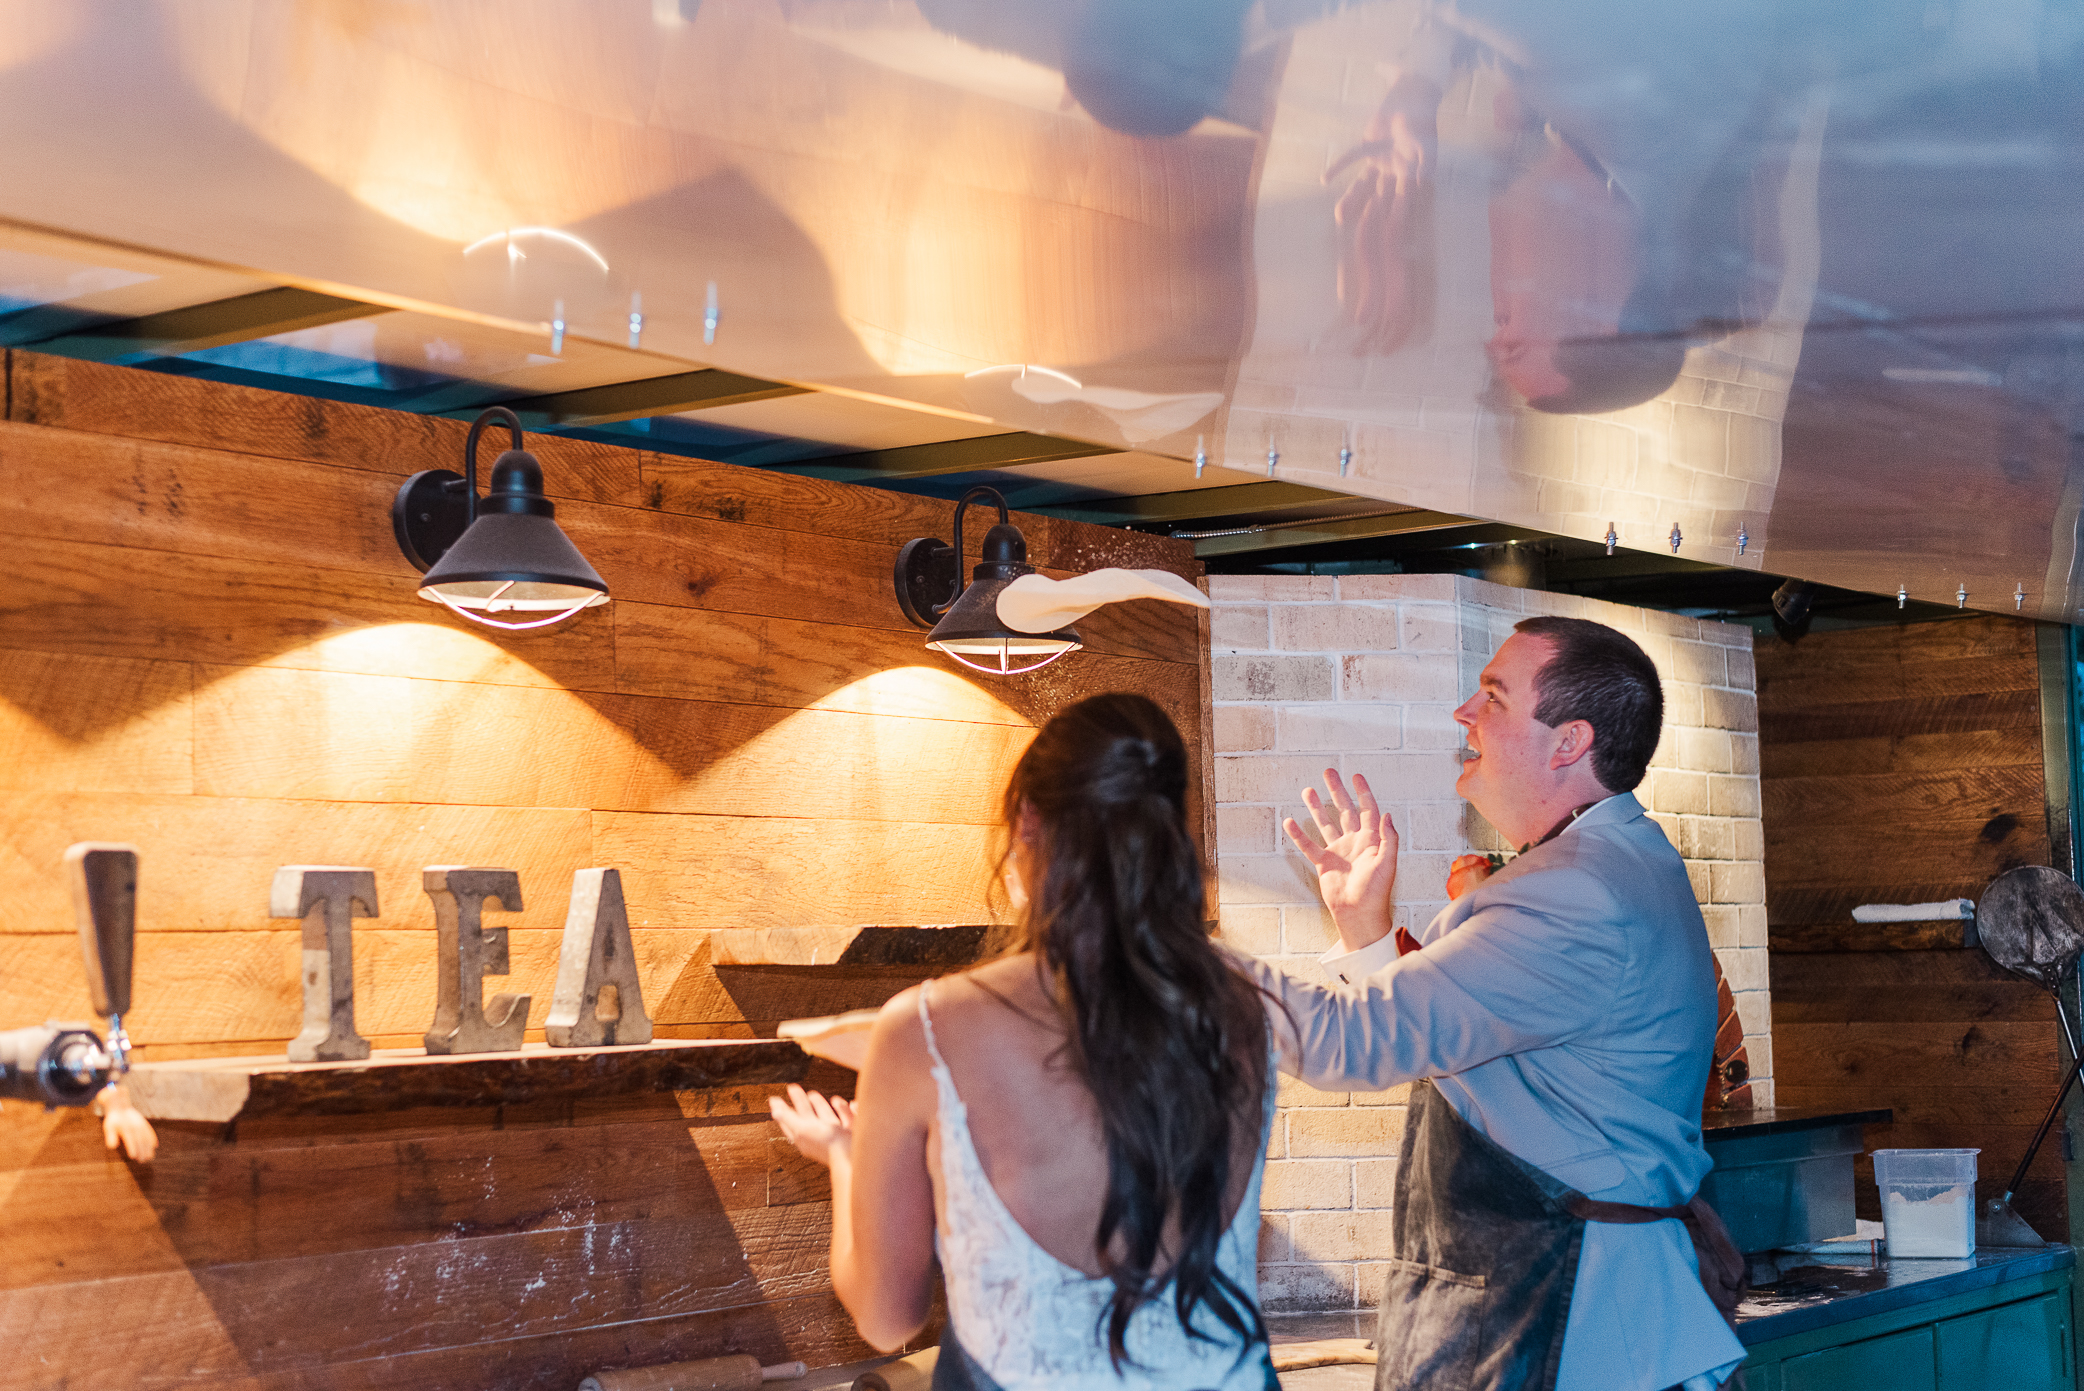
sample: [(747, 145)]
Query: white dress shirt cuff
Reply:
[(1352, 966)]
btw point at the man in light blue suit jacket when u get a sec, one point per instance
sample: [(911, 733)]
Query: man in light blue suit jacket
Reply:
[(1564, 1008)]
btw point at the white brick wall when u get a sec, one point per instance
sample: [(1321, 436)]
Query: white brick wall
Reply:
[(1362, 673)]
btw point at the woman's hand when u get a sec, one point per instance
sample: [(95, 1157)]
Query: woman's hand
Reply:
[(123, 1124), (821, 1127), (1357, 863)]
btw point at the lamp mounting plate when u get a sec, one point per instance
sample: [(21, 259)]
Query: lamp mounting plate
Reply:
[(926, 576), (429, 514)]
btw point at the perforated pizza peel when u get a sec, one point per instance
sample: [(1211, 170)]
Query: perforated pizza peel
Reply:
[(2031, 922)]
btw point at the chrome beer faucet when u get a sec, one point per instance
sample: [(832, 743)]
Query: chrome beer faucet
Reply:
[(63, 1064)]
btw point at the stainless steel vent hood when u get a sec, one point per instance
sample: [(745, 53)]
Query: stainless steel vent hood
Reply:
[(1773, 285)]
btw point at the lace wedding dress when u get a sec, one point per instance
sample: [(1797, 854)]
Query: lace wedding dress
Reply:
[(1030, 1321)]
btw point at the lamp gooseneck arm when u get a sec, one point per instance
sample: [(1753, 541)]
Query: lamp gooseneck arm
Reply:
[(513, 423), (976, 494)]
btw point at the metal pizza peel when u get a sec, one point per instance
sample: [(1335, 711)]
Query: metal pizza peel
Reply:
[(2031, 922)]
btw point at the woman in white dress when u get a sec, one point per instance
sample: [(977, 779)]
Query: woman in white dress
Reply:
[(1077, 1127)]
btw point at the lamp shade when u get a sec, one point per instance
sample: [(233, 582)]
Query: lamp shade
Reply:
[(972, 632), (972, 626), (499, 554), (964, 619), (514, 557)]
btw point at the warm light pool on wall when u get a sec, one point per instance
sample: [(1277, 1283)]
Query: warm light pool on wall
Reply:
[(503, 553), (1008, 613)]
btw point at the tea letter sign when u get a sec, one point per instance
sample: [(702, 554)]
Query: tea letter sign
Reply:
[(328, 898), (598, 999), (464, 1021)]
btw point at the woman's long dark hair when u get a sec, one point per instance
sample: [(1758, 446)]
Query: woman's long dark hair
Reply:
[(1169, 1037)]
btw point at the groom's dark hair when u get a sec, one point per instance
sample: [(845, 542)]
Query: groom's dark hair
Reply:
[(1597, 674)]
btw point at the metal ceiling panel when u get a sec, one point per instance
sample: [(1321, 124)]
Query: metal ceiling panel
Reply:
[(425, 359), (847, 425), (53, 285), (1759, 283)]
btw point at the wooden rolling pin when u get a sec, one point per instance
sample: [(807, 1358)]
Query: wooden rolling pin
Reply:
[(739, 1372)]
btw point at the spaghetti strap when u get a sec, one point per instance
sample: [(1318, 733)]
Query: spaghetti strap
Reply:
[(926, 1021)]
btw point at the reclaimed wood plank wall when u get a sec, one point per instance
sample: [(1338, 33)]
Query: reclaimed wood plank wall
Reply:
[(1904, 765), (210, 646)]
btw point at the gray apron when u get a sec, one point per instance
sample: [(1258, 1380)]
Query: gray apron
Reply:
[(1485, 1259)]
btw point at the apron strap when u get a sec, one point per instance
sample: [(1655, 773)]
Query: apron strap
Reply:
[(1724, 1273)]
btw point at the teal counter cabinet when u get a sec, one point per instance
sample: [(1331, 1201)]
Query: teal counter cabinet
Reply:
[(2000, 1321)]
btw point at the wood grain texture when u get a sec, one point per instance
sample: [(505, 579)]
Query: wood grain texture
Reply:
[(1939, 795), (365, 1320), (295, 734), (209, 646), (1888, 719), (2014, 747), (1942, 1055), (1910, 1004), (109, 490), (89, 600), (1816, 978), (225, 1090), (1793, 938), (95, 724), (749, 659), (785, 502), (215, 1203), (1977, 850), (1919, 1105), (748, 871), (1850, 657), (1905, 672), (95, 398), (112, 491), (207, 861), (1904, 765), (813, 1329), (1833, 903)]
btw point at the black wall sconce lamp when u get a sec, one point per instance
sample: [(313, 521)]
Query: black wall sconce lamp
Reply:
[(965, 618), (503, 553)]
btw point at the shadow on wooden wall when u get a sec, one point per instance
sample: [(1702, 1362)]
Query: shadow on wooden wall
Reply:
[(209, 646)]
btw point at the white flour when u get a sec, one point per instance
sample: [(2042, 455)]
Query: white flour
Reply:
[(1942, 1225)]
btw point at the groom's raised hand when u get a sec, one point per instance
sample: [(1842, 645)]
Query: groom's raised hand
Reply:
[(1354, 851)]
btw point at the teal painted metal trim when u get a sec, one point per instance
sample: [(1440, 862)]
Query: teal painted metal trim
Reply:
[(1910, 1316), (2062, 735)]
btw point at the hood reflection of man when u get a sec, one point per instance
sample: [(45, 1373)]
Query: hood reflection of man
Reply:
[(1580, 326), (1567, 288), (1606, 256), (1622, 112)]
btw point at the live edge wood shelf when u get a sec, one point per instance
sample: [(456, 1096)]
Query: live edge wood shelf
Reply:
[(396, 1079)]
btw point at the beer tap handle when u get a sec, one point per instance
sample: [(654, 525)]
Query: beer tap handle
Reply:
[(104, 903)]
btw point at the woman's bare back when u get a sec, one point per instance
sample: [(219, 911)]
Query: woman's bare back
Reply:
[(1032, 1120)]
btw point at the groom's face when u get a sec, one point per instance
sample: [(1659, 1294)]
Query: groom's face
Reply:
[(1511, 750)]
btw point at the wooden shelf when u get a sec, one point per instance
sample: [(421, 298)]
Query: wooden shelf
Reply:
[(904, 944), (396, 1079)]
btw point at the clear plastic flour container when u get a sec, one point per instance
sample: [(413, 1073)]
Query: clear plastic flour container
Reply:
[(1927, 1201)]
